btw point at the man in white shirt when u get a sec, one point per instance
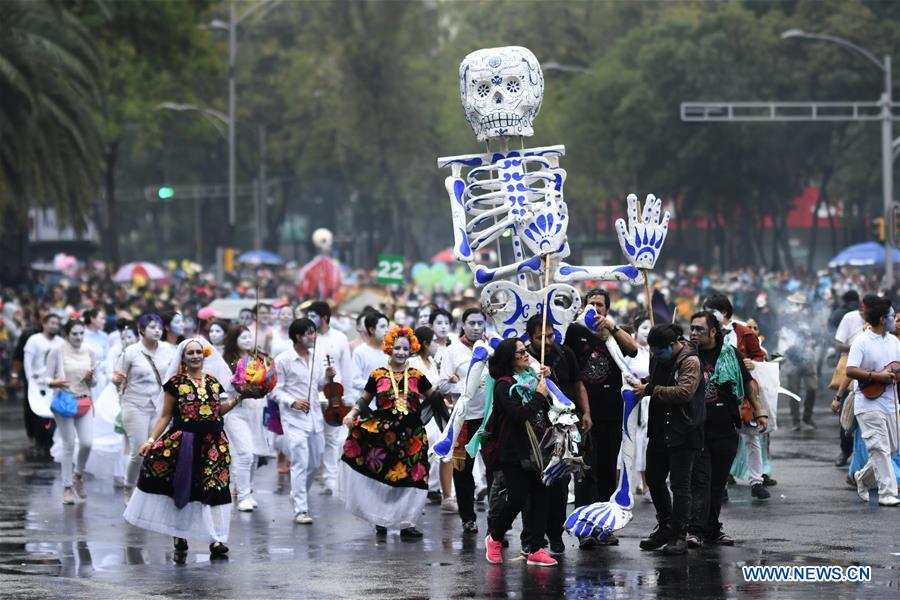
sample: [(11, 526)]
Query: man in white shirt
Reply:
[(37, 349), (299, 380), (332, 349), (870, 354), (368, 356), (454, 368)]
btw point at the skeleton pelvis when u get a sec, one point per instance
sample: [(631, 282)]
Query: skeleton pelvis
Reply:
[(509, 306)]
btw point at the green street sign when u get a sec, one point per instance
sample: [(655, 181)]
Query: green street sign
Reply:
[(389, 269)]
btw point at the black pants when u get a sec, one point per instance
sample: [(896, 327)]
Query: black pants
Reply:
[(846, 442), (708, 480), (676, 464), (522, 487), (38, 429), (557, 499), (599, 481), (463, 482)]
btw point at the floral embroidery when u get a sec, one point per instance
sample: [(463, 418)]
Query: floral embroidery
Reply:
[(397, 473), (418, 472), (375, 458), (413, 446), (371, 425), (351, 449)]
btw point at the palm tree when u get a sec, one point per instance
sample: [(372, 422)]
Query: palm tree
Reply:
[(51, 147)]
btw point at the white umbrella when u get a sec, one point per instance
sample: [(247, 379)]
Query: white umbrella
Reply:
[(146, 270)]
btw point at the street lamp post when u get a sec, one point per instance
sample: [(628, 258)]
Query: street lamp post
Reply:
[(234, 21), (887, 162)]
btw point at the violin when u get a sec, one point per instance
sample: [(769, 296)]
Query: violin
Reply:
[(873, 389), (335, 411)]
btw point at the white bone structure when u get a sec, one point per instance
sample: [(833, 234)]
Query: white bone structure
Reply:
[(518, 195)]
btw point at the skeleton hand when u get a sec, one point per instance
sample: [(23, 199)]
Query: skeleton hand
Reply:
[(642, 239)]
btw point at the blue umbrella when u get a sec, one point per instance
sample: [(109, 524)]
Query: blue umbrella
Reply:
[(858, 255), (260, 257)]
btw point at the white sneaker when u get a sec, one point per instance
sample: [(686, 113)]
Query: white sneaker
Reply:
[(245, 505), (888, 500), (861, 489), (449, 505), (254, 502), (303, 519)]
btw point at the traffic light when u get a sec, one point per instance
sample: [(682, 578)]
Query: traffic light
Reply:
[(878, 228), (159, 193), (895, 225)]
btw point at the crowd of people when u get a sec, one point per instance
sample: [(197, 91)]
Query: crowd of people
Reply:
[(358, 398)]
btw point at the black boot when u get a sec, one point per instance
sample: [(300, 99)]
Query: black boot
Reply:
[(657, 539), (677, 543)]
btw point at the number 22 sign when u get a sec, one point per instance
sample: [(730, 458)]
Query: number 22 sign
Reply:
[(389, 269)]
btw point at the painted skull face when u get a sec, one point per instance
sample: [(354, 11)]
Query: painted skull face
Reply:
[(441, 327), (176, 326), (153, 331), (381, 329), (216, 334), (245, 341), (643, 331), (76, 336), (501, 91), (423, 317), (285, 316), (473, 327), (128, 337), (400, 353)]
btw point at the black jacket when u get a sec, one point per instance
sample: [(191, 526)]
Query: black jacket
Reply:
[(510, 416), (677, 400)]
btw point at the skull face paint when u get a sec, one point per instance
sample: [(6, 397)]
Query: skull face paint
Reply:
[(285, 316), (643, 330), (400, 352), (176, 326), (424, 316), (128, 337), (473, 327), (381, 329), (153, 331), (245, 341), (441, 327), (216, 334), (501, 91), (76, 336)]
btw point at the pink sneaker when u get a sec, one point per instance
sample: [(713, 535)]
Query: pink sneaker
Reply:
[(541, 559), (494, 552)]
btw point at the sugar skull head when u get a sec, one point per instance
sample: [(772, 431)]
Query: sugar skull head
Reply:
[(501, 91), (323, 239)]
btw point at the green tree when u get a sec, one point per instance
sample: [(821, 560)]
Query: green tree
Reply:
[(50, 77)]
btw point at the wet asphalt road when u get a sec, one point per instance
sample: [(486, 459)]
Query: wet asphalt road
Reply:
[(88, 551)]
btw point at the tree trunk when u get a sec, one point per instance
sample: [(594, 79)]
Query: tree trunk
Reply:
[(111, 237), (14, 257)]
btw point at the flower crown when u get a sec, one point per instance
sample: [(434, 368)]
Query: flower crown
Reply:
[(388, 345)]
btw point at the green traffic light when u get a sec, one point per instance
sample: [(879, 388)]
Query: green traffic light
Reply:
[(165, 193)]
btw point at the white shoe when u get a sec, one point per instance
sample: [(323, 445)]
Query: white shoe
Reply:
[(303, 519), (888, 500), (245, 505), (254, 502), (861, 489), (449, 505)]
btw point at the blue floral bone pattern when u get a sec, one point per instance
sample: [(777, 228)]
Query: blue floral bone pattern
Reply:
[(600, 519), (642, 239)]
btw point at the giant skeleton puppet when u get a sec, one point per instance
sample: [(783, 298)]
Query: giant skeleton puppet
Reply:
[(517, 194)]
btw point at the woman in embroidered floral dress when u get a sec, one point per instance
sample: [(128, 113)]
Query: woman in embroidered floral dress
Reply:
[(183, 489), (384, 470)]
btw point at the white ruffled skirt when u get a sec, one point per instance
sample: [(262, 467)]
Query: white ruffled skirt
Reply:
[(378, 503), (156, 512)]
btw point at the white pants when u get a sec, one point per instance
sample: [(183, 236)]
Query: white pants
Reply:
[(305, 449), (66, 426), (334, 447), (879, 432), (754, 454), (245, 441), (137, 422)]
